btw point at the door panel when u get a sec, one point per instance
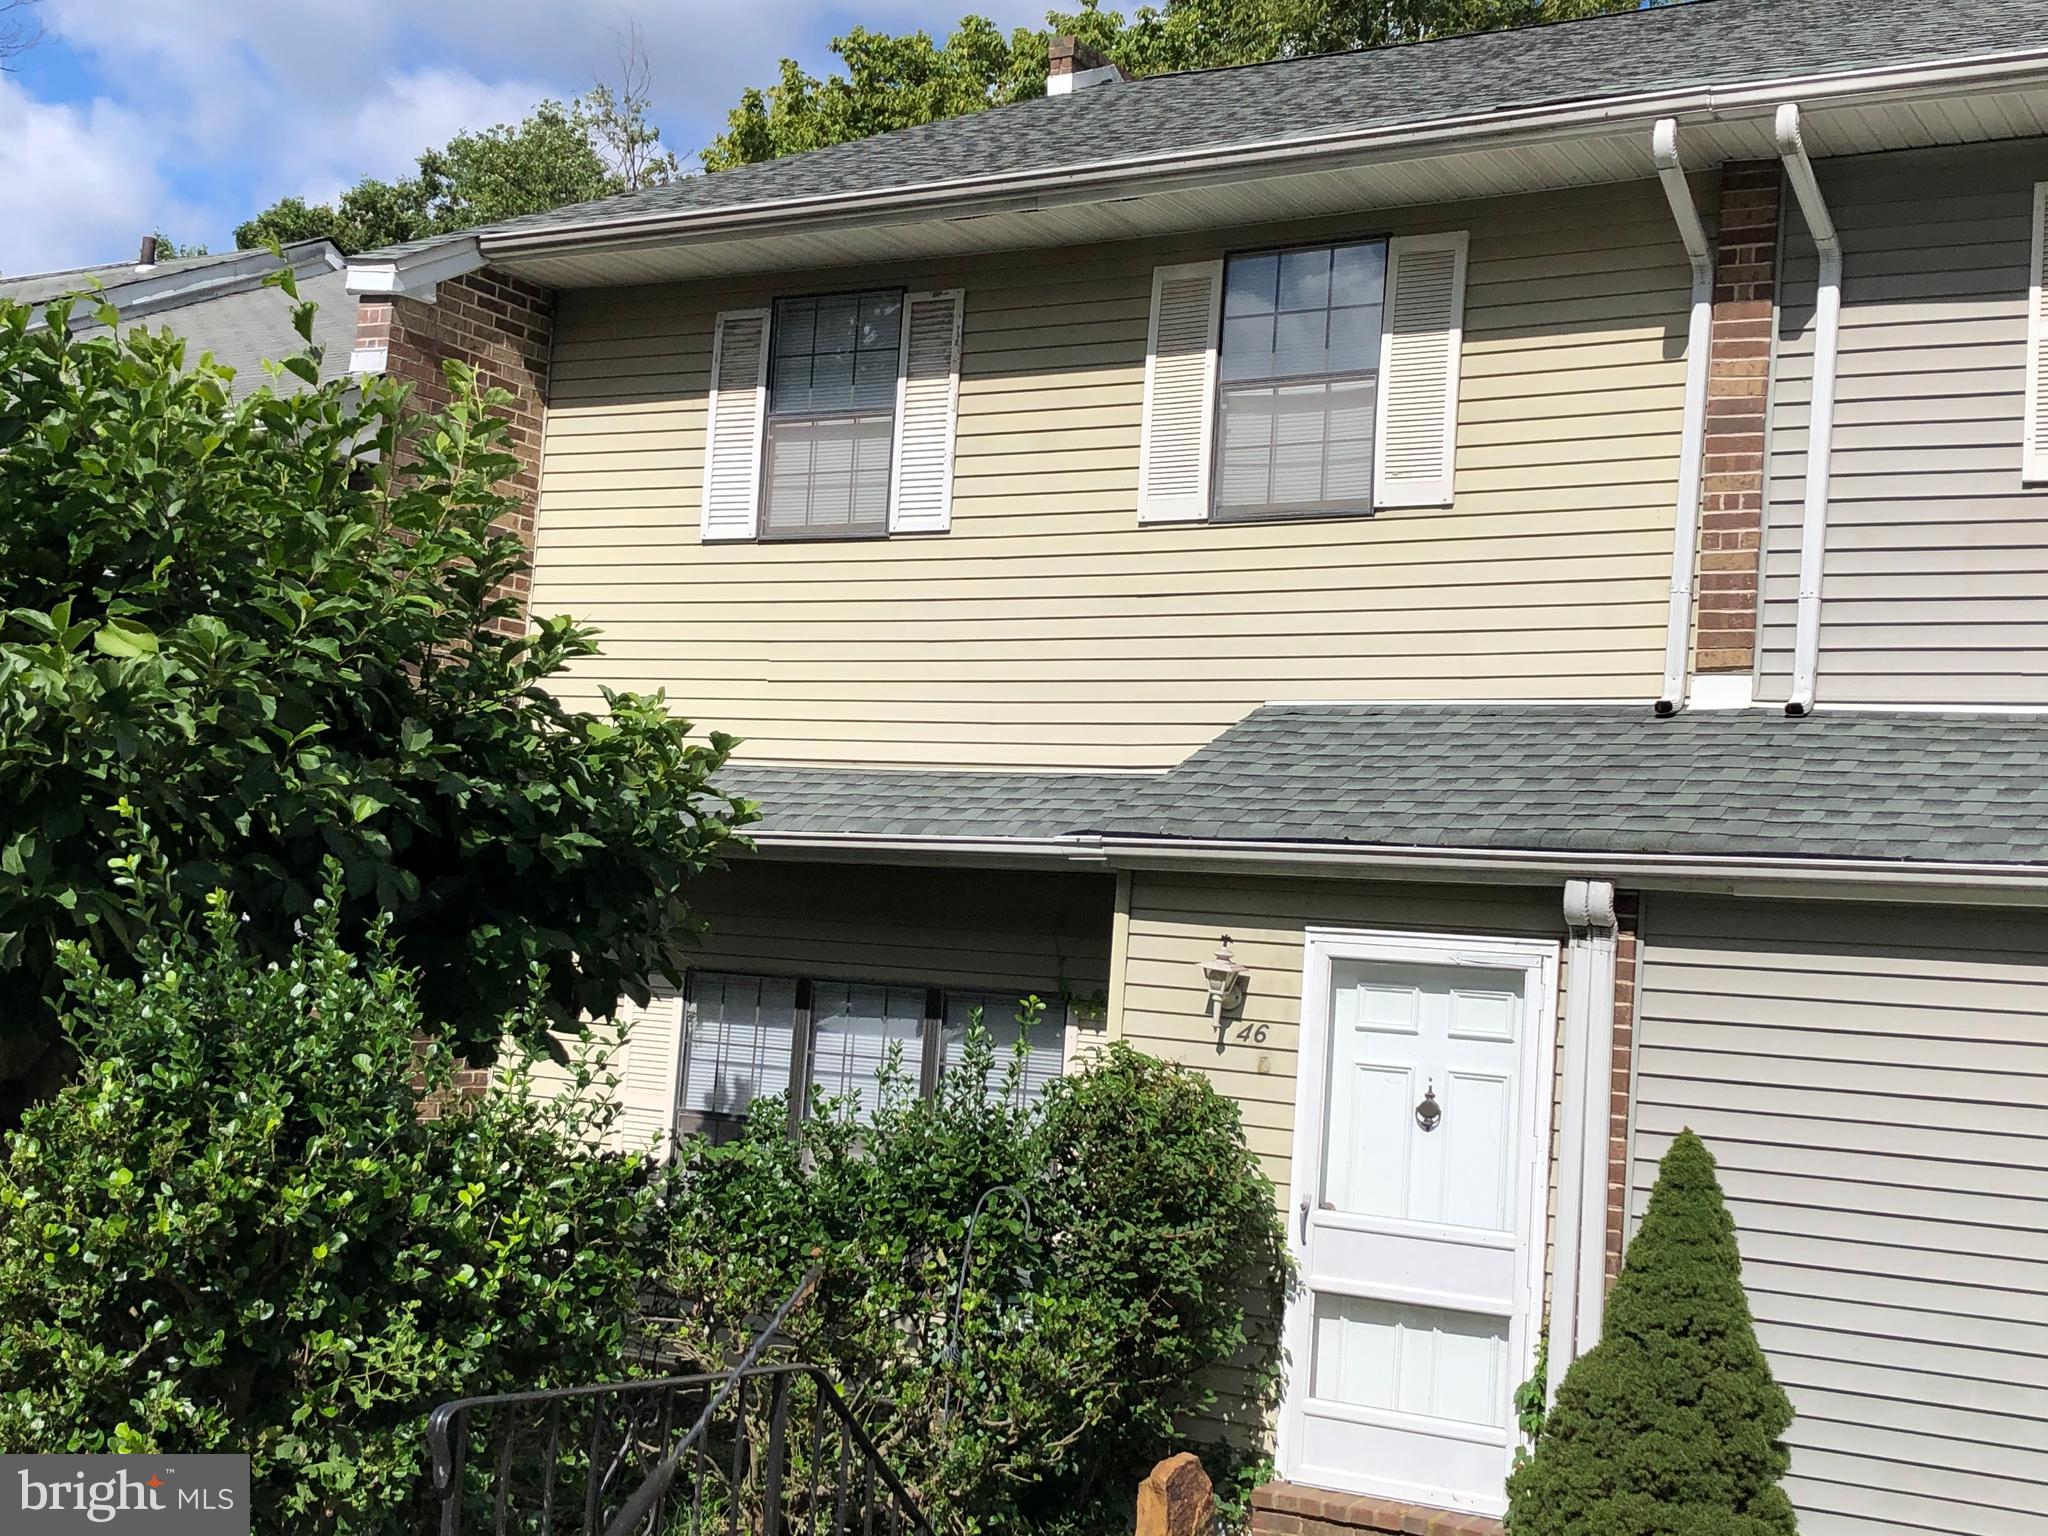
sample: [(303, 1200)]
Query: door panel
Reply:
[(1421, 1125)]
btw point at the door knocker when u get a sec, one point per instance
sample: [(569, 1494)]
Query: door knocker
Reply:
[(1429, 1112)]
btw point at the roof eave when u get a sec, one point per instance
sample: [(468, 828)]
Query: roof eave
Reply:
[(414, 274), (1866, 879), (967, 195)]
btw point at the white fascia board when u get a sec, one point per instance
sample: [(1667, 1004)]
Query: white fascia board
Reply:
[(414, 274), (1462, 131), (1735, 875)]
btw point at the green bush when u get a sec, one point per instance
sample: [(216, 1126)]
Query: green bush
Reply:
[(233, 1231), (232, 612), (1672, 1425), (1091, 1327)]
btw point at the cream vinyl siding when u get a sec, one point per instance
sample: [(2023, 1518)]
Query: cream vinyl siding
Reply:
[(1027, 930), (1175, 922), (1935, 585), (1047, 627), (1874, 1083)]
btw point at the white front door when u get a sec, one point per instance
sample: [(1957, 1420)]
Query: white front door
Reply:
[(1421, 1126)]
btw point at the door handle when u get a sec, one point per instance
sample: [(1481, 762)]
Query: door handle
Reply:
[(1304, 1223)]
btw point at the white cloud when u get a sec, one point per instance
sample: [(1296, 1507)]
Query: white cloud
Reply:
[(81, 179), (239, 102)]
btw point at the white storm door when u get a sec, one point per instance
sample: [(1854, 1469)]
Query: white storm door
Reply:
[(1421, 1127)]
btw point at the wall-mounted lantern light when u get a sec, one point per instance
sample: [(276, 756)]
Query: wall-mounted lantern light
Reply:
[(1226, 978)]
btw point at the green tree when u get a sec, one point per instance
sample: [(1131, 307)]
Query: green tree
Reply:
[(600, 144), (1672, 1425), (895, 82), (168, 249), (243, 1227), (1090, 1322), (235, 615)]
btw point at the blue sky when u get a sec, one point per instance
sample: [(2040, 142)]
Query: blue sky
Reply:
[(188, 115)]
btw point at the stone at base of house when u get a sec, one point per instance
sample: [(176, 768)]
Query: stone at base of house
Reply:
[(1177, 1499), (1289, 1509)]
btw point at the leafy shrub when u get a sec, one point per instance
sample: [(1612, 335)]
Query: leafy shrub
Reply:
[(233, 1231), (1127, 1247), (1672, 1425), (236, 615)]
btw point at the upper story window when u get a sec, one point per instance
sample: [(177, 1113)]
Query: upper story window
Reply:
[(1298, 366), (831, 424)]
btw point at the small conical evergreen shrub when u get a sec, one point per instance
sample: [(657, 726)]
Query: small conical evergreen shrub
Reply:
[(1672, 1425)]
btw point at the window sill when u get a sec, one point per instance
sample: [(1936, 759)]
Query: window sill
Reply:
[(1235, 519), (864, 537)]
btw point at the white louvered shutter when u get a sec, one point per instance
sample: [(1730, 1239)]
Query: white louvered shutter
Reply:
[(734, 422), (1180, 393), (646, 1070), (927, 406), (1415, 440), (2034, 458)]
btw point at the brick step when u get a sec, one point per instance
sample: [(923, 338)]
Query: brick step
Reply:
[(1289, 1509)]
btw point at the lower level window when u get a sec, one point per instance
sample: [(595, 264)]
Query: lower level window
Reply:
[(752, 1036)]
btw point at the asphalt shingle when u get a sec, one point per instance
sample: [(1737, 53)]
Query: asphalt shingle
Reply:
[(1883, 786), (1667, 47)]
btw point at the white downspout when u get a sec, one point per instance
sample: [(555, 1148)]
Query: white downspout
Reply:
[(1699, 340), (1578, 1291), (1820, 433)]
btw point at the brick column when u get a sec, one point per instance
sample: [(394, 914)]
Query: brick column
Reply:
[(500, 326), (1738, 381), (1627, 959)]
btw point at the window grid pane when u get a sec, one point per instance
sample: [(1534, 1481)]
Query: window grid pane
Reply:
[(1046, 1054), (852, 1028), (828, 476), (1300, 356), (831, 414), (740, 1033)]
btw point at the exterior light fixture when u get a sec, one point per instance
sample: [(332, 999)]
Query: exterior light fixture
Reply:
[(1226, 978)]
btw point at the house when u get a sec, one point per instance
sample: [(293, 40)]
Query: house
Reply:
[(1540, 538), (219, 304)]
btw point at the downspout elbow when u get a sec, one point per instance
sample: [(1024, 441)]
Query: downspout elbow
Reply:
[(1827, 333), (1692, 442)]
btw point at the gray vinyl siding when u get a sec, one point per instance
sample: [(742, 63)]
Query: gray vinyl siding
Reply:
[(1935, 586), (1874, 1084)]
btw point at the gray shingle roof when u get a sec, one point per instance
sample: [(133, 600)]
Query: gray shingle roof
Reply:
[(889, 802), (219, 305), (1537, 778), (41, 287), (1670, 47)]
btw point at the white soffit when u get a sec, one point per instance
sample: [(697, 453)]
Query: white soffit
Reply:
[(1616, 151)]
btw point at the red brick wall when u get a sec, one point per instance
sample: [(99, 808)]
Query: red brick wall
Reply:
[(1627, 950), (1738, 371), (500, 326), (1289, 1509)]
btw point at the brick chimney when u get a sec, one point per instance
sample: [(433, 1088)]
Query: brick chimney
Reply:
[(1073, 66)]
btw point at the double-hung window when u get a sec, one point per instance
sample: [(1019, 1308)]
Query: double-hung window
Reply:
[(747, 1037), (1311, 381), (831, 414), (1298, 380)]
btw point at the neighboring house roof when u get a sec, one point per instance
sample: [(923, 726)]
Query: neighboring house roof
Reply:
[(1626, 54), (929, 803), (1566, 778), (219, 304)]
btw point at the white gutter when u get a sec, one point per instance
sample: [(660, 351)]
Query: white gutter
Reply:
[(413, 274), (1692, 439), (1579, 1283), (1820, 432), (960, 196), (1725, 873)]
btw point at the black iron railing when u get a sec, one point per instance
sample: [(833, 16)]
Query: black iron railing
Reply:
[(765, 1448)]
